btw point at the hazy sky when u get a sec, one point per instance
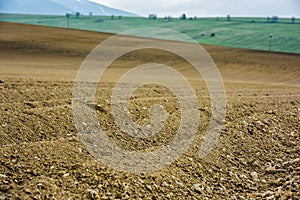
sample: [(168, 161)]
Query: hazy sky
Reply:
[(263, 8)]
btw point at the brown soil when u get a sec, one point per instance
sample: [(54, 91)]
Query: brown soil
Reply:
[(42, 157)]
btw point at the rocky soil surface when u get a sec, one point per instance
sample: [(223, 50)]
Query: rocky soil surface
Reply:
[(257, 155)]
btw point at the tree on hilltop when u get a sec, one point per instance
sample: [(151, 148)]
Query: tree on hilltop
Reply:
[(68, 15), (293, 20), (183, 16), (274, 19), (228, 18), (153, 16)]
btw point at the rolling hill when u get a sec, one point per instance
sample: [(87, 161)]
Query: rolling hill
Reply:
[(249, 33), (57, 7)]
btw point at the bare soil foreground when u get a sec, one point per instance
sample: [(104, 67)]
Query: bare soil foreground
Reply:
[(257, 155)]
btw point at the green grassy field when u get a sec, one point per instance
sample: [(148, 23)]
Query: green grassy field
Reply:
[(252, 33)]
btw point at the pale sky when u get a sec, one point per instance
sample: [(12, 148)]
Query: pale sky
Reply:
[(202, 8)]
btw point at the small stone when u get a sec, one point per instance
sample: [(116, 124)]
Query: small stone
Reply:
[(170, 195), (27, 191), (165, 184), (263, 181), (141, 181), (243, 176), (209, 190), (34, 172), (267, 193), (40, 186), (180, 184), (190, 159), (255, 164), (149, 188), (2, 176), (65, 175), (271, 197), (93, 194), (254, 175), (270, 169), (278, 192), (4, 188), (197, 188)]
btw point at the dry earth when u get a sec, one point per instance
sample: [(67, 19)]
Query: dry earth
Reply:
[(42, 157)]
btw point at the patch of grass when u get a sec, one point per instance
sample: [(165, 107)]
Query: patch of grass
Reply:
[(252, 33)]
